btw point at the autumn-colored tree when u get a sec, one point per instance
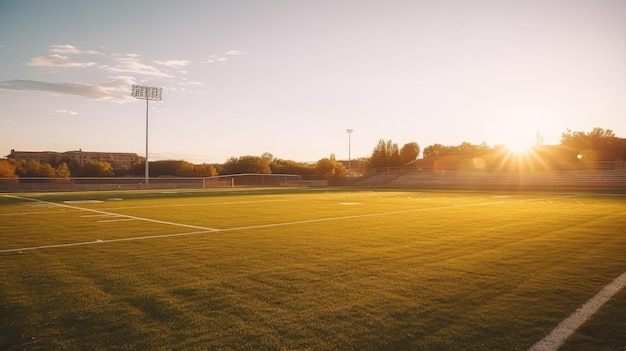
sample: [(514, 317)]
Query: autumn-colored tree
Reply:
[(94, 168), (33, 168), (7, 169), (248, 164), (328, 168), (279, 166), (204, 170), (62, 170)]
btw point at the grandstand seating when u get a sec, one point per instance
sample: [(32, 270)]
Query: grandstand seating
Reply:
[(604, 179)]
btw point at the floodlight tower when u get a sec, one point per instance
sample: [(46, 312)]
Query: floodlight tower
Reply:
[(148, 93), (349, 131)]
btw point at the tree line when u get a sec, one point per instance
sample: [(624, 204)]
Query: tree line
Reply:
[(264, 164), (576, 147)]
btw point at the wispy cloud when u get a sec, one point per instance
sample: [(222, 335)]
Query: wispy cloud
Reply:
[(57, 61), (67, 112), (173, 63), (70, 49), (116, 90), (222, 58), (191, 82), (129, 63)]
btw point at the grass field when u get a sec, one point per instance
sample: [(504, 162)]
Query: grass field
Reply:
[(317, 269)]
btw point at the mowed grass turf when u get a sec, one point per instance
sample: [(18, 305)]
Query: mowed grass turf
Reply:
[(307, 270)]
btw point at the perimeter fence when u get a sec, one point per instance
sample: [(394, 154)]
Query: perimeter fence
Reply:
[(598, 177), (133, 183)]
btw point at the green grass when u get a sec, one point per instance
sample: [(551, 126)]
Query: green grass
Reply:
[(309, 270)]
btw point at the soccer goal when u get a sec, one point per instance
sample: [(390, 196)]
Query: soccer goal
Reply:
[(252, 180)]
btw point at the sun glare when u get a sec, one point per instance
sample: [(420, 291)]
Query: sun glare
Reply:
[(519, 147)]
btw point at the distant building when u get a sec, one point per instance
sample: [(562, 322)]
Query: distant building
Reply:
[(50, 157), (118, 160)]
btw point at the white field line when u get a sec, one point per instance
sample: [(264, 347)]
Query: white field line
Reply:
[(29, 213), (213, 230), (103, 241), (568, 326), (132, 207), (359, 216), (116, 220), (193, 205), (116, 214)]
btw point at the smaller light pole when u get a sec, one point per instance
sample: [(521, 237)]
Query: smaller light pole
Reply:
[(349, 131), (148, 93)]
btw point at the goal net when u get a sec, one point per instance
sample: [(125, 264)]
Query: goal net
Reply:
[(252, 180)]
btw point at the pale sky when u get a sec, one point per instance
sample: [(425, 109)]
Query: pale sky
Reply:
[(289, 77)]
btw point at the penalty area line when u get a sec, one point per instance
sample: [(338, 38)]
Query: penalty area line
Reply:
[(105, 213), (569, 325)]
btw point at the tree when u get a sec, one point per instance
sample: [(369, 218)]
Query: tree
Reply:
[(33, 168), (597, 145), (248, 164), (434, 150), (329, 168), (279, 166), (385, 154), (62, 170), (7, 169), (171, 168), (76, 169), (94, 168), (465, 149), (204, 170), (409, 152)]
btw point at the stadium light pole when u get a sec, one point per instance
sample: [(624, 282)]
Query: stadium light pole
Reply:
[(349, 131), (147, 93)]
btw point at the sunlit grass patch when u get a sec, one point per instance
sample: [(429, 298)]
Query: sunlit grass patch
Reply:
[(402, 270)]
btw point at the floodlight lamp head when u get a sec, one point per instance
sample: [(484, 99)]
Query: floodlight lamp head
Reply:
[(349, 131), (148, 93)]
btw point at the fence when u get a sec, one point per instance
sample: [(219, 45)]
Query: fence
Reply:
[(573, 179), (132, 183)]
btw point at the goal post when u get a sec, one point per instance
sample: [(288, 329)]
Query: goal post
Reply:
[(252, 180)]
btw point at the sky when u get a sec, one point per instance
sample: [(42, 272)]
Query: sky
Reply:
[(245, 77)]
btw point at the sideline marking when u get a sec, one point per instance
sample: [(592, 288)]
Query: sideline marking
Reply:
[(83, 202), (117, 220), (568, 326), (114, 214)]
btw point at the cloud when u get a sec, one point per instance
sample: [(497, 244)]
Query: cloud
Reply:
[(129, 63), (57, 61), (67, 112), (218, 58), (191, 82), (69, 49), (120, 83), (173, 63), (108, 91)]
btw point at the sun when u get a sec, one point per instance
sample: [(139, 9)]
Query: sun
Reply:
[(520, 143), (519, 147)]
